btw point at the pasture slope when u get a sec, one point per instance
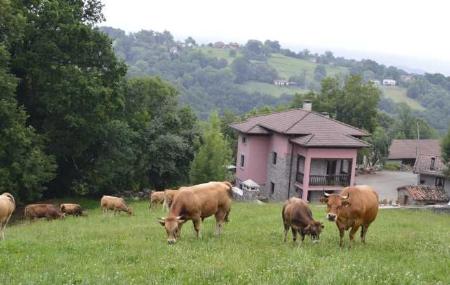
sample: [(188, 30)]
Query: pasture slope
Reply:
[(403, 247)]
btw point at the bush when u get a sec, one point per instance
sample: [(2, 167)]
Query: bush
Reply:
[(392, 166)]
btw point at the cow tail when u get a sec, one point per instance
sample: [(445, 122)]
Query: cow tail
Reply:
[(230, 188)]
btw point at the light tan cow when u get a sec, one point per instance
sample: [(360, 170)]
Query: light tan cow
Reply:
[(114, 203), (196, 203), (169, 196), (71, 209), (156, 198), (7, 207)]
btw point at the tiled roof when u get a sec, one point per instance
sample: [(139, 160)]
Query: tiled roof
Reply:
[(425, 193), (406, 149), (424, 165), (329, 139), (312, 128)]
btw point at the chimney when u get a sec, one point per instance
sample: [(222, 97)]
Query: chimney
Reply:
[(325, 114), (307, 105)]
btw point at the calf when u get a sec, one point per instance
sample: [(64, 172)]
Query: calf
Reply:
[(297, 215), (116, 204), (355, 207), (7, 207), (71, 209), (196, 203), (48, 211)]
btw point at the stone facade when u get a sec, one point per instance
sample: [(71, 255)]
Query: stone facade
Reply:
[(278, 174)]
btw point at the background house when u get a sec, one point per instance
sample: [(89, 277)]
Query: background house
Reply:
[(430, 170), (297, 153), (421, 195), (406, 151)]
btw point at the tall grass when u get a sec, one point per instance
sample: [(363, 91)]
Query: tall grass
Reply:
[(403, 247)]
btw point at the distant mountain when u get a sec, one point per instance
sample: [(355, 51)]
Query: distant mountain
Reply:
[(241, 77)]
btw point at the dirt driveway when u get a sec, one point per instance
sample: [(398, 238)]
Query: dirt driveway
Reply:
[(386, 182)]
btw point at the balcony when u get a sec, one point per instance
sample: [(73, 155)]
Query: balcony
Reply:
[(325, 180)]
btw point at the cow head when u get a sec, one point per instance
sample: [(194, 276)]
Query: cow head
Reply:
[(335, 203), (172, 226), (314, 229), (130, 211)]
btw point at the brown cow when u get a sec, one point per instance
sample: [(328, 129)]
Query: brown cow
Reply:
[(196, 203), (47, 211), (156, 197), (356, 206), (7, 207), (71, 209), (114, 203), (297, 215)]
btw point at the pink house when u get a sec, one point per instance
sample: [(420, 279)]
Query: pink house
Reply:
[(297, 153)]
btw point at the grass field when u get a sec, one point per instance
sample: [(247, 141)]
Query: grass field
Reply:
[(270, 89), (403, 247), (398, 95)]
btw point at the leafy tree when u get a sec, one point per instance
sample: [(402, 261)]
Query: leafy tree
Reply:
[(406, 124), (213, 155), (165, 134), (379, 146), (254, 49), (320, 72), (272, 46), (24, 166), (445, 147)]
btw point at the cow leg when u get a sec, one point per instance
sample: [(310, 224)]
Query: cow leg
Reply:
[(2, 231), (341, 236), (197, 225), (294, 234), (286, 230), (180, 225), (364, 229), (352, 234), (220, 220)]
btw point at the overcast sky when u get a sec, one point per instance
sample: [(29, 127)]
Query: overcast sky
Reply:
[(412, 34)]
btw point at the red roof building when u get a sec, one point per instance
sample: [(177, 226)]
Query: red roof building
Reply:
[(297, 153)]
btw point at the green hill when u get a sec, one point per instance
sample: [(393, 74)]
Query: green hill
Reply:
[(398, 95)]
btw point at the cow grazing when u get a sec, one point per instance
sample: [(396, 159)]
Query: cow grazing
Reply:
[(71, 209), (156, 198), (196, 203), (48, 211), (116, 204), (354, 207), (297, 215), (7, 207)]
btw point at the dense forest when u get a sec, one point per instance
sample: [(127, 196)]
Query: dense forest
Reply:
[(224, 76)]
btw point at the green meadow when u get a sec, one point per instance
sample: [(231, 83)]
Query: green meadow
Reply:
[(403, 247)]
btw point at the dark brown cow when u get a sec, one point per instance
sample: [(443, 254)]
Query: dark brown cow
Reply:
[(71, 209), (297, 215), (47, 211), (356, 206), (196, 203)]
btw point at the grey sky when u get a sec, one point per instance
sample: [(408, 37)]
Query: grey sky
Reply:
[(404, 33)]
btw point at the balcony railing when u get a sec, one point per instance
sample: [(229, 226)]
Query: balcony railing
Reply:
[(325, 180)]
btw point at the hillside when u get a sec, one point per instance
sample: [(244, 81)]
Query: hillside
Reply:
[(241, 77)]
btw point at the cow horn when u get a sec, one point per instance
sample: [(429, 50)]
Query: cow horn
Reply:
[(345, 197), (326, 194), (179, 217)]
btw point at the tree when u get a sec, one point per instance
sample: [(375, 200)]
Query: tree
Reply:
[(69, 83), (445, 152), (24, 166), (213, 155), (320, 72)]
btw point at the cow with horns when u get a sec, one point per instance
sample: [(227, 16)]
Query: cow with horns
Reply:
[(354, 207)]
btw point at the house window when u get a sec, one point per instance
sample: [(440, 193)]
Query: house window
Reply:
[(242, 160), (244, 139), (439, 182), (274, 158), (272, 188), (433, 160)]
